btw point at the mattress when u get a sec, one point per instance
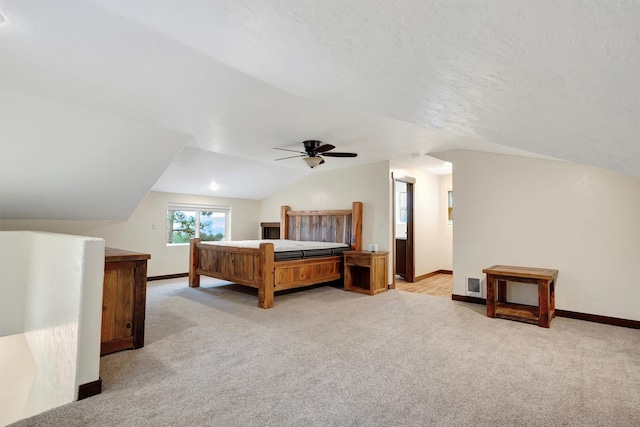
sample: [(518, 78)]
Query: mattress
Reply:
[(290, 249)]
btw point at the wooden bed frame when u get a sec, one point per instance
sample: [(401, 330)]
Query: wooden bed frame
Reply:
[(257, 267)]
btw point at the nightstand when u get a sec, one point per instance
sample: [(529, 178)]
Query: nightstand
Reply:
[(366, 272)]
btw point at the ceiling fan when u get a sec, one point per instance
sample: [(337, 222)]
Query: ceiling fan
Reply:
[(312, 151)]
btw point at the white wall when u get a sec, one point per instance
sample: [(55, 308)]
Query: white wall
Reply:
[(13, 279), (90, 324), (17, 370), (581, 220), (337, 189), (136, 234), (61, 311)]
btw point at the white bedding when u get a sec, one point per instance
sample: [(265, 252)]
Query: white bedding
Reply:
[(280, 245)]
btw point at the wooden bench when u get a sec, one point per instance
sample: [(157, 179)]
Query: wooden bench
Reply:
[(497, 305)]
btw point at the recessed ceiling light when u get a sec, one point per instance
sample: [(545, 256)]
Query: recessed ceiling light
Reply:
[(214, 186)]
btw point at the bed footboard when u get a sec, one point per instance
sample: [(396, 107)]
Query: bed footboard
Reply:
[(257, 268), (245, 266)]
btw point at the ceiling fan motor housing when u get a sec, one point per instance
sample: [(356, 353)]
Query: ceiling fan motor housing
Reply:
[(311, 145)]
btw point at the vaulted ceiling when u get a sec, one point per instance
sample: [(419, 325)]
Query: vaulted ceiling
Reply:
[(103, 100)]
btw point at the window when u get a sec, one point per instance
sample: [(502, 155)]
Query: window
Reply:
[(402, 207), (450, 206), (185, 222)]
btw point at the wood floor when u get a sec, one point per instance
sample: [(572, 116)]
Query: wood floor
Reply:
[(440, 285)]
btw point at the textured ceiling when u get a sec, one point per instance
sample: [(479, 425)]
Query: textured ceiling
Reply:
[(230, 80), (559, 78)]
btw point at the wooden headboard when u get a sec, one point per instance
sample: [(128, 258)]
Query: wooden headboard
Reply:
[(343, 226)]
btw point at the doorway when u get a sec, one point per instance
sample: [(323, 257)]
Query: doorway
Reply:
[(403, 228), (429, 237)]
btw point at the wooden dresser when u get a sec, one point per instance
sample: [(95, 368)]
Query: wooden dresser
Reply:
[(124, 296), (269, 230)]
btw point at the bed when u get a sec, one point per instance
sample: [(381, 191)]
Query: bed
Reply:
[(259, 265)]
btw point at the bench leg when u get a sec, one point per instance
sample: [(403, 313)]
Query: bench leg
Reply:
[(543, 304), (491, 295), (553, 299)]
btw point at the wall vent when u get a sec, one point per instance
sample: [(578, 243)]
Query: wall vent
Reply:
[(474, 287)]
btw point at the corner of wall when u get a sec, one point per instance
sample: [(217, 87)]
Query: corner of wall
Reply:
[(89, 324)]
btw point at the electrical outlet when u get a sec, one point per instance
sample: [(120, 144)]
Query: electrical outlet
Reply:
[(154, 225)]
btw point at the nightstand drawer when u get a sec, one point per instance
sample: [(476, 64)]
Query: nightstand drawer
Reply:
[(361, 260)]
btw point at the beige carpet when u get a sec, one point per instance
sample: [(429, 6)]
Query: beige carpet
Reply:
[(326, 357)]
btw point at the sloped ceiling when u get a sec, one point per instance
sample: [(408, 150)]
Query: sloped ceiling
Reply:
[(117, 97), (60, 162)]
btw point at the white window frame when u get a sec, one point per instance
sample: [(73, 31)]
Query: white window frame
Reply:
[(200, 208)]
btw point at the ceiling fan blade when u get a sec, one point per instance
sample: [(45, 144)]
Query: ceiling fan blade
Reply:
[(339, 154), (286, 149), (291, 157), (324, 148)]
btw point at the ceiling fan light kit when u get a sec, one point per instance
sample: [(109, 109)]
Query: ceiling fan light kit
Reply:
[(312, 162), (312, 149)]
